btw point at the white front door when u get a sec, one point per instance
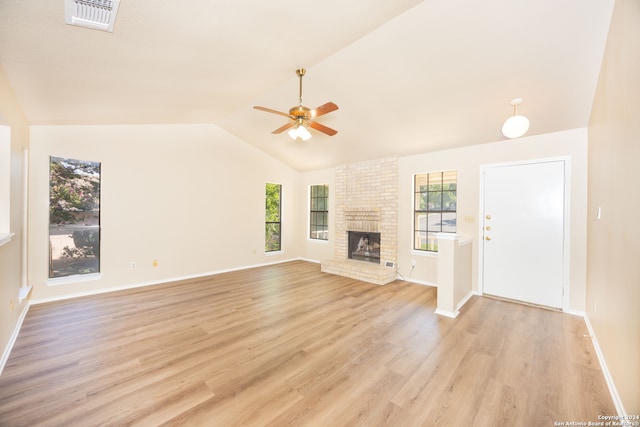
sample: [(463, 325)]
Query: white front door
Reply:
[(523, 227)]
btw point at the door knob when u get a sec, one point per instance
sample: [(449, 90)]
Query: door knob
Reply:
[(487, 238)]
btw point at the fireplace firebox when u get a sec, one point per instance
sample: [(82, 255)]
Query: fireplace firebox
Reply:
[(364, 246)]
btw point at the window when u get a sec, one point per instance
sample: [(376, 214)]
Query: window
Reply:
[(74, 217), (5, 184), (273, 217), (434, 208), (319, 212)]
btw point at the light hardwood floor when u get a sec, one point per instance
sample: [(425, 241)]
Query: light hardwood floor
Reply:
[(289, 345)]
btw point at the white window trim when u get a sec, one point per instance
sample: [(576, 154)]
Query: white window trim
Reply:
[(428, 254), (76, 278), (309, 239), (272, 253), (418, 252), (279, 251), (5, 185), (6, 238), (319, 241)]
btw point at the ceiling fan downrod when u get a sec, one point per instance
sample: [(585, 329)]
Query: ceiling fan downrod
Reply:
[(300, 72)]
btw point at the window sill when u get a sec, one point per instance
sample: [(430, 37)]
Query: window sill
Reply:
[(319, 241), (427, 254), (6, 238), (78, 278), (23, 292), (271, 253)]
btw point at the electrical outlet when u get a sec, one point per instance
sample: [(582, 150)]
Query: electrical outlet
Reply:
[(134, 265), (154, 263), (413, 262), (11, 305)]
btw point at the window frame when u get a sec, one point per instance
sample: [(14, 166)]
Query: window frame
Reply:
[(270, 249), (321, 200), (92, 241), (426, 195), (5, 185)]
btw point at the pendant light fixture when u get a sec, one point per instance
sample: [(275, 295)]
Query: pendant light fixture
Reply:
[(516, 125), (299, 131)]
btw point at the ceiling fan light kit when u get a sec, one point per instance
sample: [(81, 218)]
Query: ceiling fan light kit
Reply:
[(299, 132), (303, 117), (516, 125)]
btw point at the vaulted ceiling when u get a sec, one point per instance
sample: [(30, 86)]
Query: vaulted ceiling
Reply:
[(408, 76)]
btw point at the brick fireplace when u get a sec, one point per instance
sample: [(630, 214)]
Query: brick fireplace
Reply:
[(366, 201)]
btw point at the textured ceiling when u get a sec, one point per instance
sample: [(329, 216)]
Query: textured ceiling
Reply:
[(409, 76)]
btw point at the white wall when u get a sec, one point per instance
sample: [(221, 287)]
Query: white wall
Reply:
[(11, 310), (467, 161), (190, 196), (613, 294)]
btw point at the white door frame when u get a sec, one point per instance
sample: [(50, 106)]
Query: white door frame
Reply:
[(566, 264)]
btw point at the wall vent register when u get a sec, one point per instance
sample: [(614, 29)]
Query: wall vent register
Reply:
[(94, 14)]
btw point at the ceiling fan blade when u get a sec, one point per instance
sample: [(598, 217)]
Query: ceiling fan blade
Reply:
[(324, 109), (284, 127), (269, 110), (322, 128)]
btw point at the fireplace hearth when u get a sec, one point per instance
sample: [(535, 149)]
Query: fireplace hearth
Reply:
[(364, 246)]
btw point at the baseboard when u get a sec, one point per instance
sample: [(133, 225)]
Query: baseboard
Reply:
[(578, 313), (156, 282), (419, 282), (464, 301), (452, 314), (14, 336), (605, 370)]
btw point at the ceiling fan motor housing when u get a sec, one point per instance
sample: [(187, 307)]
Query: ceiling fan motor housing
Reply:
[(300, 111)]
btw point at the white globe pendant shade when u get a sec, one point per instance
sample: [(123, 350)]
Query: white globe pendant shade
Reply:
[(515, 126), (304, 133), (299, 132)]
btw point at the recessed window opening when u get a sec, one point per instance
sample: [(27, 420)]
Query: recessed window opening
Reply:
[(74, 217), (273, 226), (435, 201), (319, 212), (5, 184)]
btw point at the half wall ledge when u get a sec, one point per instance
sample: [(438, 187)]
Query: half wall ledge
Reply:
[(454, 273), (360, 270)]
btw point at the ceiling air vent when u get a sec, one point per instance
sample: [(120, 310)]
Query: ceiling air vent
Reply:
[(94, 14)]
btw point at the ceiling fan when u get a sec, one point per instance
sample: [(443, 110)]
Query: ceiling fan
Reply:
[(303, 117)]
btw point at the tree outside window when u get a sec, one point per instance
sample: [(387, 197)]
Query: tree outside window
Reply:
[(272, 239), (74, 217), (319, 212), (435, 204)]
